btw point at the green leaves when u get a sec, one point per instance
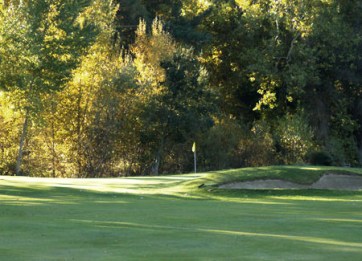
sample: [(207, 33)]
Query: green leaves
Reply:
[(105, 89)]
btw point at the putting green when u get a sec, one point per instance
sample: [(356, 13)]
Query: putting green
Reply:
[(169, 218)]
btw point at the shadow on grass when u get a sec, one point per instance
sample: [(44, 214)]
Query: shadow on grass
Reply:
[(208, 225), (154, 228), (68, 195), (289, 196)]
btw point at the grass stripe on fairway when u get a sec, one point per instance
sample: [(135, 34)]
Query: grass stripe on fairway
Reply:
[(169, 218)]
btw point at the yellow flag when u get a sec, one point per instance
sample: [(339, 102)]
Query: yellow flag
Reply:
[(194, 147)]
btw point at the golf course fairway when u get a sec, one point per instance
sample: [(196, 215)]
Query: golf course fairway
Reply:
[(179, 217)]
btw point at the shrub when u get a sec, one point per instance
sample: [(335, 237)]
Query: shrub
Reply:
[(343, 150), (230, 144), (256, 148), (320, 158), (294, 138), (220, 145)]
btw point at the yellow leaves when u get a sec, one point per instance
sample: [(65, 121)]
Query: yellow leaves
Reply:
[(267, 91), (50, 26), (252, 77), (8, 101), (268, 99), (53, 12), (98, 13), (81, 21), (150, 51), (141, 29), (195, 7), (216, 56), (54, 34), (296, 15), (243, 3), (157, 28)]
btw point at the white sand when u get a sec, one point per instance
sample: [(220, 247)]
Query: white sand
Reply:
[(328, 181)]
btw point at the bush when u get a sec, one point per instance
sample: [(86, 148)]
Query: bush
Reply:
[(256, 148), (8, 168), (320, 158), (220, 145), (230, 144), (293, 137), (343, 150)]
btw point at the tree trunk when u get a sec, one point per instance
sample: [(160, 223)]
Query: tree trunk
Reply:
[(53, 151), (156, 165), (158, 157), (21, 144), (79, 140)]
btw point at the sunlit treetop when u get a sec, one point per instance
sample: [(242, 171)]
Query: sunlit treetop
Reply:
[(195, 7)]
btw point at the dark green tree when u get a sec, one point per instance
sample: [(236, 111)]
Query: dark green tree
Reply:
[(179, 114), (127, 18)]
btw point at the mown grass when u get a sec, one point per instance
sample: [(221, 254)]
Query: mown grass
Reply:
[(297, 174), (169, 218)]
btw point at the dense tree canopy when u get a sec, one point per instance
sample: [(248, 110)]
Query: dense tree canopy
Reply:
[(124, 87)]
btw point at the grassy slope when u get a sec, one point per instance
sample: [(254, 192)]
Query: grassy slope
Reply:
[(165, 218), (298, 174)]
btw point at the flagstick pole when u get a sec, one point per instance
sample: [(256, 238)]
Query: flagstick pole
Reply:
[(195, 161)]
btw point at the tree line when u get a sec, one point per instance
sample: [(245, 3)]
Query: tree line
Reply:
[(92, 88)]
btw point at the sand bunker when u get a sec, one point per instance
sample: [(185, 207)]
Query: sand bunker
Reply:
[(328, 181)]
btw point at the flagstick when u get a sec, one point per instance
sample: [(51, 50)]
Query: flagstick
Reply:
[(194, 151), (195, 160)]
